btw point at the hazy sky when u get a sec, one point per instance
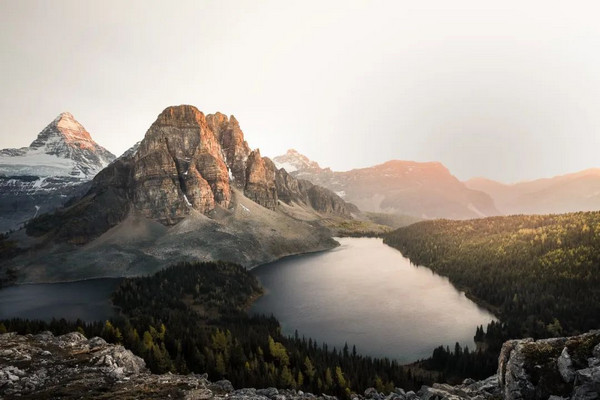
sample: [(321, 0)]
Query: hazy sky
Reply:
[(503, 89)]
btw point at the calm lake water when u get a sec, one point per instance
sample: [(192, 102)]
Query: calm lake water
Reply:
[(88, 300), (367, 294)]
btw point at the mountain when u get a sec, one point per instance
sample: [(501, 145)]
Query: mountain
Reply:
[(424, 190), (192, 189), (579, 191), (41, 177)]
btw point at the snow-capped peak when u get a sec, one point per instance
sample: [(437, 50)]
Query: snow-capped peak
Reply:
[(65, 128), (293, 161), (63, 148)]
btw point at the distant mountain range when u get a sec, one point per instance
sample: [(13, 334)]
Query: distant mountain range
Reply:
[(428, 190), (579, 191), (54, 168), (424, 190)]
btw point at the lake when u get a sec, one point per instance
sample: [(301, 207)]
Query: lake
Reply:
[(88, 300), (367, 294)]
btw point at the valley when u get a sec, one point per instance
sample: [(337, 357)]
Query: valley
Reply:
[(299, 200), (177, 230)]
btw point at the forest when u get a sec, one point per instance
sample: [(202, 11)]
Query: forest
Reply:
[(539, 274), (192, 317)]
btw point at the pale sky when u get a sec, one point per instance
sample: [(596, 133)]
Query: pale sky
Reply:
[(509, 90)]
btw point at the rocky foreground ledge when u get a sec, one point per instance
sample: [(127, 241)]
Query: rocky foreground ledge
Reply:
[(70, 366)]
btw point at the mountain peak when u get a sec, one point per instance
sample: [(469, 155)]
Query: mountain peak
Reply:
[(63, 148), (182, 115), (65, 128), (293, 161)]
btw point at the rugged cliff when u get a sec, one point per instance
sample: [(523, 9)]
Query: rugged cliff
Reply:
[(71, 366)]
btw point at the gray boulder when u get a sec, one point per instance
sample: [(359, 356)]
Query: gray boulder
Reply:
[(565, 366)]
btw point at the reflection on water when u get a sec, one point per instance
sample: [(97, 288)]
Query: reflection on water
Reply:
[(366, 293)]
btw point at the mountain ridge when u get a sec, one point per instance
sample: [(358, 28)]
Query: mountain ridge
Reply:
[(572, 192), (421, 189)]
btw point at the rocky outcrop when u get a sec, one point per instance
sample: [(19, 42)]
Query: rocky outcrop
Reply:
[(57, 166), (325, 201), (290, 189), (260, 180), (71, 366), (566, 367), (235, 148), (179, 165)]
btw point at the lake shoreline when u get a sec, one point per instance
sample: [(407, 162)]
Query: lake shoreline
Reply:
[(295, 285), (480, 302)]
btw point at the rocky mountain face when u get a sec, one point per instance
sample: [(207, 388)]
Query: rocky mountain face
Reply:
[(191, 163), (423, 190), (72, 366), (191, 189), (55, 167), (561, 194)]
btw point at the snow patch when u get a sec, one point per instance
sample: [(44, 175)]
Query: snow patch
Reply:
[(245, 208), (341, 193), (187, 201), (35, 163)]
